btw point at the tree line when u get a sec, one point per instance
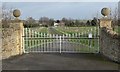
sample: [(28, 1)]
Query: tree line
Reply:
[(46, 22)]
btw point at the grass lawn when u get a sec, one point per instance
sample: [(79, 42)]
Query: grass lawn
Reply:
[(40, 29), (71, 30)]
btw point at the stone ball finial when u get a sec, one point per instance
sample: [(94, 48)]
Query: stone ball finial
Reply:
[(105, 11), (16, 13)]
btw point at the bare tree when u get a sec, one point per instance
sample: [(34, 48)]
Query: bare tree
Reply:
[(44, 21), (6, 15), (51, 22), (115, 16), (119, 13), (30, 22)]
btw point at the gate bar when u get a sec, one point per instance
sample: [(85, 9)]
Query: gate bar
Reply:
[(60, 43)]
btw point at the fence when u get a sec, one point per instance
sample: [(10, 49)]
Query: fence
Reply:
[(87, 42)]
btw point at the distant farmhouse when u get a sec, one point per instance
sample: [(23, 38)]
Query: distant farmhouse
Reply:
[(59, 23)]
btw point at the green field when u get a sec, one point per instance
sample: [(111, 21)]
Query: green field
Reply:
[(83, 31), (77, 29)]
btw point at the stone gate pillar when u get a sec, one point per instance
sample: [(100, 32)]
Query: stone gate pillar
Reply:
[(12, 41), (109, 39), (104, 24)]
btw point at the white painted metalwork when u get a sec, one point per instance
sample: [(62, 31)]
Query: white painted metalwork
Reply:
[(83, 42)]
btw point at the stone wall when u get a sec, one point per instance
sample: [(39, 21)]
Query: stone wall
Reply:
[(109, 43), (12, 40)]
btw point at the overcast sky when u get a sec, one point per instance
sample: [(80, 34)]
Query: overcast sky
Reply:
[(59, 0), (58, 10)]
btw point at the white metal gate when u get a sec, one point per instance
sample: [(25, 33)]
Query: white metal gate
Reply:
[(68, 43)]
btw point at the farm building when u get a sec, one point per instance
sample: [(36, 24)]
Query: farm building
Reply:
[(59, 23)]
